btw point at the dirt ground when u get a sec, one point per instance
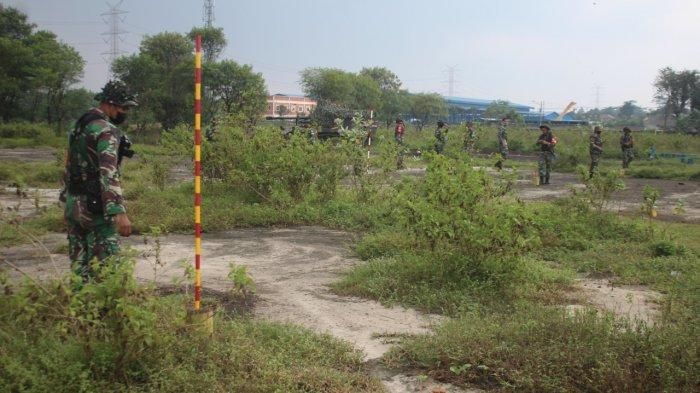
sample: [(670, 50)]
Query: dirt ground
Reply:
[(292, 269), (28, 155)]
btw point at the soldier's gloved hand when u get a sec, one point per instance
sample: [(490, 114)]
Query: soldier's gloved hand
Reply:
[(123, 224)]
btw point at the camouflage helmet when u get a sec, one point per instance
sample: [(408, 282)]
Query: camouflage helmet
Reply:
[(115, 92)]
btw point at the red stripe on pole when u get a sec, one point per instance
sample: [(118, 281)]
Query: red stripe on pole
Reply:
[(197, 170)]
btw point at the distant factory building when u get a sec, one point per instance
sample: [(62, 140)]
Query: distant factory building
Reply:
[(473, 109), (289, 106)]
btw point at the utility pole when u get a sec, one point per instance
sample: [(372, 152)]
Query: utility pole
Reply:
[(112, 18), (208, 13)]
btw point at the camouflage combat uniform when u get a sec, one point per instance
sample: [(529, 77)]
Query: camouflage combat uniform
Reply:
[(596, 150), (440, 139), (502, 141), (470, 140), (546, 157), (627, 145), (92, 154)]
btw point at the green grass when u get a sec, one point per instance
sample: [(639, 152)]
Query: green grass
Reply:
[(31, 174), (117, 336), (50, 221), (543, 349)]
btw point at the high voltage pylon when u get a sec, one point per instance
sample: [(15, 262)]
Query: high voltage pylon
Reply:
[(208, 13), (112, 18), (451, 81)]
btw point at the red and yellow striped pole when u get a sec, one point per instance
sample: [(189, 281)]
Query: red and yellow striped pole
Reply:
[(197, 172)]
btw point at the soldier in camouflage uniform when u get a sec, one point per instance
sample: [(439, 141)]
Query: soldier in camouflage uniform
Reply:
[(627, 145), (546, 142), (440, 137), (94, 206), (595, 149), (470, 139), (502, 141)]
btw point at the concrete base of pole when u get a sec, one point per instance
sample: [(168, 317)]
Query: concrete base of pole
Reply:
[(201, 321)]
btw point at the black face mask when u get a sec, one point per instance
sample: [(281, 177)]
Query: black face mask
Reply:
[(121, 116)]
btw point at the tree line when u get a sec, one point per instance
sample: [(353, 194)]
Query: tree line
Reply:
[(37, 72)]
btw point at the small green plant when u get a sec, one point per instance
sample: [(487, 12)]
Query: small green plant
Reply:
[(666, 248), (242, 282)]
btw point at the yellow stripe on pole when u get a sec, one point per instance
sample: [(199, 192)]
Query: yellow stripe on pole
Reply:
[(197, 59), (197, 185), (196, 304), (198, 122), (197, 91), (197, 247), (197, 214)]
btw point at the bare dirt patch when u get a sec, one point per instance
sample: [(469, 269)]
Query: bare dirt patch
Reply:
[(292, 269), (28, 155), (633, 302), (26, 201)]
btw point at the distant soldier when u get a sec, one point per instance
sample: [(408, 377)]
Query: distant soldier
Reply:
[(440, 137), (470, 138), (502, 141), (595, 149), (399, 131), (546, 141), (627, 145), (95, 210)]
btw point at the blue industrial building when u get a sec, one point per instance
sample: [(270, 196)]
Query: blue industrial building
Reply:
[(472, 109)]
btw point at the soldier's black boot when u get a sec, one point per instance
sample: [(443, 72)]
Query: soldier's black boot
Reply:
[(546, 179)]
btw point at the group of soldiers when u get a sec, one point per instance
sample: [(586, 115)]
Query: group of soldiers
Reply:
[(95, 212), (546, 143)]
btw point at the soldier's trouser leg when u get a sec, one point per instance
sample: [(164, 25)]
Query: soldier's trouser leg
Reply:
[(439, 147), (542, 164), (594, 164), (77, 250), (98, 239)]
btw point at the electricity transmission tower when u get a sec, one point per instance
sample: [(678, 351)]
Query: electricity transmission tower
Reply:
[(451, 80), (113, 36), (208, 13)]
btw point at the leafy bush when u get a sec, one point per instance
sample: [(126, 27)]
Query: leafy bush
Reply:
[(666, 248), (116, 336)]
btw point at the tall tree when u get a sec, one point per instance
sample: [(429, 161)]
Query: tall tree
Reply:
[(426, 107), (237, 90), (628, 109), (161, 74), (674, 90), (35, 69), (385, 78), (213, 41), (366, 93), (329, 84)]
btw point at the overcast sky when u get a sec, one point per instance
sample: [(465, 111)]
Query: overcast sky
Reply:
[(526, 51)]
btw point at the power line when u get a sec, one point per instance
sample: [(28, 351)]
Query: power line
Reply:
[(114, 33)]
